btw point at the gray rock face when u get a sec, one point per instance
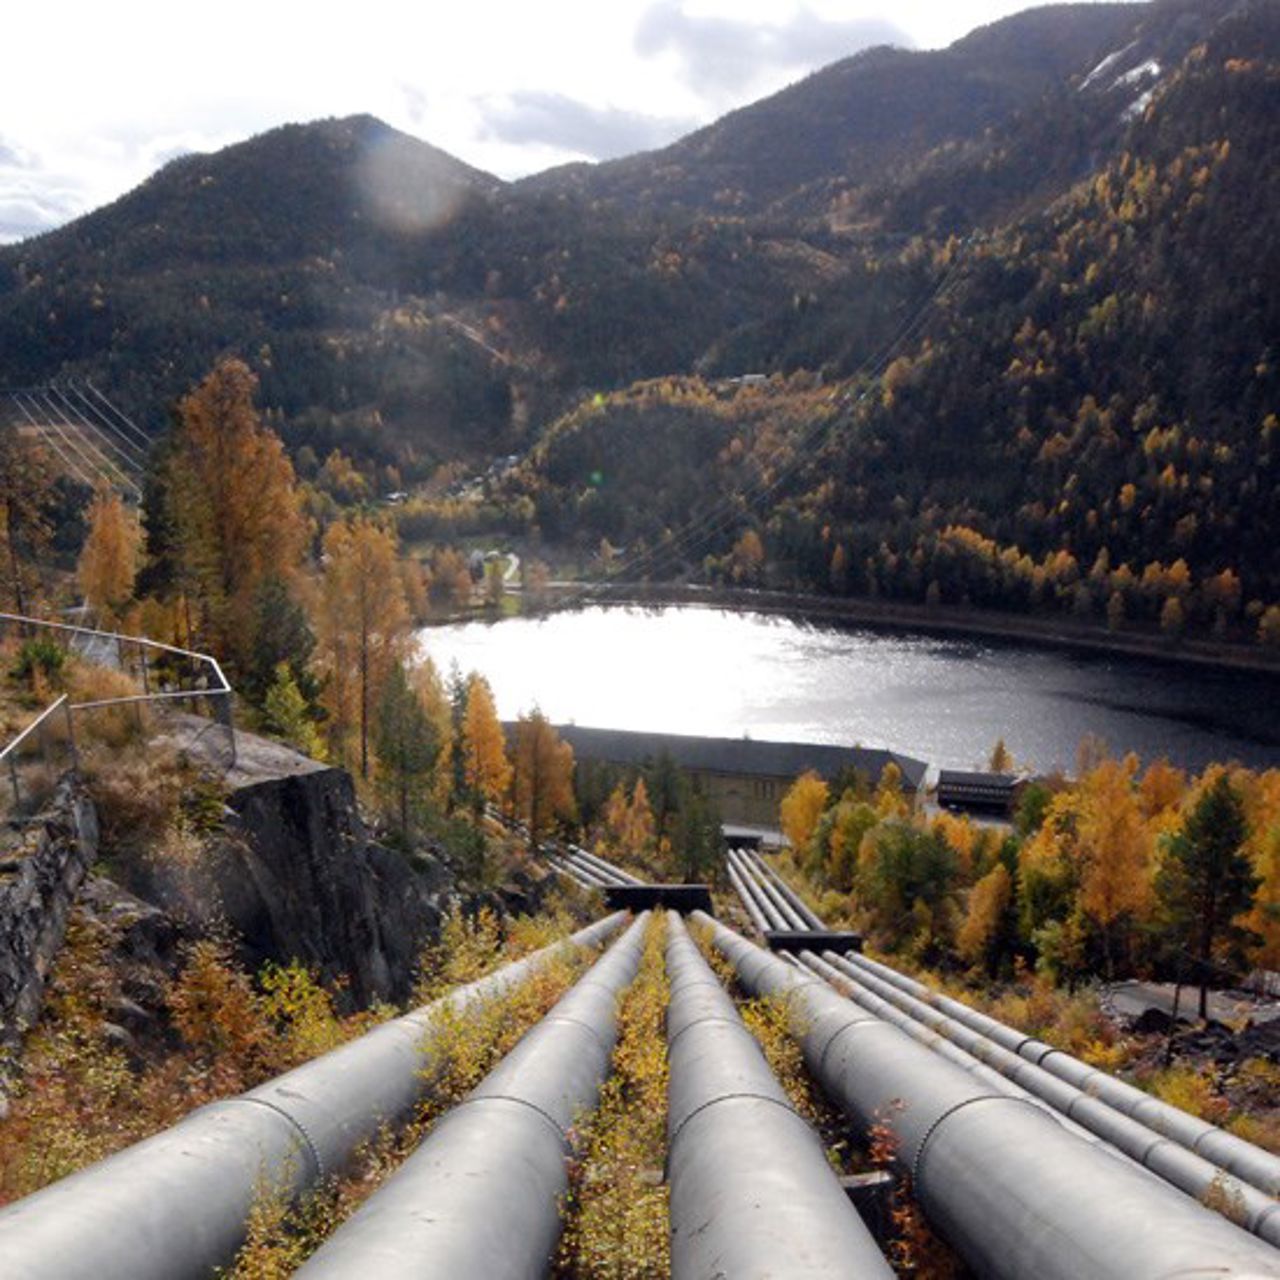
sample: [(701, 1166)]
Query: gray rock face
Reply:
[(298, 877), (39, 876)]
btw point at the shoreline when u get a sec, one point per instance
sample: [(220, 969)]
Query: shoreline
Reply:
[(1053, 633)]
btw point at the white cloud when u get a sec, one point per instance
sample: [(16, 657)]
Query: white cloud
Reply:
[(97, 96)]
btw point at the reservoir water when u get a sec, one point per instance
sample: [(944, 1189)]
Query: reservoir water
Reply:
[(945, 700)]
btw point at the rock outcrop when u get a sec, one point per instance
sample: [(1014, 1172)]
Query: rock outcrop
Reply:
[(40, 874)]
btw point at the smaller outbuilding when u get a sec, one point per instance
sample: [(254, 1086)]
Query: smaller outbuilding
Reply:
[(981, 792)]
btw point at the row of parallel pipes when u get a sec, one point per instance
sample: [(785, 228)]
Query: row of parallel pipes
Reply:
[(1016, 1193), (1165, 1145), (752, 1193), (480, 1199), (176, 1206)]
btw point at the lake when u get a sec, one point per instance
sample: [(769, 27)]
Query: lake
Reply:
[(945, 700)]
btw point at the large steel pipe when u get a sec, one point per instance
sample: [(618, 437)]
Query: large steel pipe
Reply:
[(1250, 1164), (780, 909), (605, 868), (480, 1198), (1184, 1169), (806, 913), (1015, 1193), (752, 1194), (751, 892), (176, 1205), (749, 904)]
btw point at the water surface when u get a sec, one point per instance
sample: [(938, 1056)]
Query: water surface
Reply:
[(945, 700)]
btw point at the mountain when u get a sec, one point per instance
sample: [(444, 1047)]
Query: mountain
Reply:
[(413, 310), (1081, 413), (854, 121)]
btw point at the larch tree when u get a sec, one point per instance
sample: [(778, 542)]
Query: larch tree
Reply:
[(543, 775), (363, 626), (486, 772), (232, 505), (406, 744), (1115, 847), (108, 564), (989, 901), (1206, 879), (801, 807), (430, 688)]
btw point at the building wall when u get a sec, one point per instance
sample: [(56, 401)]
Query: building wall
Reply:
[(747, 801)]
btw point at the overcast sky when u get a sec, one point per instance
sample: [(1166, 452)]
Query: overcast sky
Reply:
[(95, 96)]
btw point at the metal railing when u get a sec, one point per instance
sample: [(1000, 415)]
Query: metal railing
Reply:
[(184, 690), (32, 762)]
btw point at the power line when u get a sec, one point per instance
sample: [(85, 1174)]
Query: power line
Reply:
[(111, 408), (72, 466), (108, 435), (112, 470), (719, 518)]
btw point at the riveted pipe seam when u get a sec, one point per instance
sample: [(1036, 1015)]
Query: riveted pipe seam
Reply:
[(317, 1164), (730, 1097), (561, 1132)]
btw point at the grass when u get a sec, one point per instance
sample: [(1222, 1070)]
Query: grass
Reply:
[(616, 1219)]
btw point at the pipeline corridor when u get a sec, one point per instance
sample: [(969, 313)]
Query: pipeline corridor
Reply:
[(1025, 1161)]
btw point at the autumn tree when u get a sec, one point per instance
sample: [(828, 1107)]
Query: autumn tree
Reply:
[(747, 558), (427, 683), (1205, 879), (1115, 848), (232, 505), (833, 850), (363, 626), (629, 829), (979, 935), (108, 563), (486, 772), (1001, 760), (406, 743), (27, 498), (801, 807), (543, 775)]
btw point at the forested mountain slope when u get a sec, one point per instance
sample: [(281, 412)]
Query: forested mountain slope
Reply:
[(413, 309), (1085, 418)]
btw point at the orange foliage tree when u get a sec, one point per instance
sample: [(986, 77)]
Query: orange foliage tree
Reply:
[(543, 782), (108, 561), (485, 768), (362, 627), (232, 500)]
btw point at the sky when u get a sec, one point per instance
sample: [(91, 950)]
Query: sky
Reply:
[(95, 97)]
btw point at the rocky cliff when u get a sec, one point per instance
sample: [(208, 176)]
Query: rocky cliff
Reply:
[(40, 874)]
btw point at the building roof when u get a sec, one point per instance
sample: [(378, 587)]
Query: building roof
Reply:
[(744, 756), (961, 778)]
